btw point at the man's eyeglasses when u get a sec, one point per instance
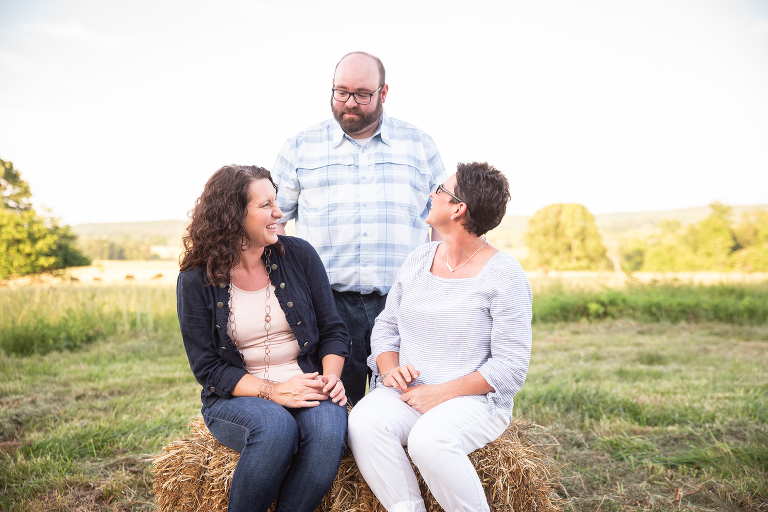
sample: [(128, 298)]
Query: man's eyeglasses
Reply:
[(441, 188), (361, 98)]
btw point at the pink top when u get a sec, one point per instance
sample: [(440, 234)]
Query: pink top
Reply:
[(249, 314)]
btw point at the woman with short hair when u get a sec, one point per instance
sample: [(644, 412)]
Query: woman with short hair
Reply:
[(264, 340), (449, 352)]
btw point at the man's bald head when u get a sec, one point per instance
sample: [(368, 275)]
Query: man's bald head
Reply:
[(359, 55)]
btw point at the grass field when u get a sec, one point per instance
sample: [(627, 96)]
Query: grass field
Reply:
[(648, 415)]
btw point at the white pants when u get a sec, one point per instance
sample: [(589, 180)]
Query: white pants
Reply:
[(438, 443)]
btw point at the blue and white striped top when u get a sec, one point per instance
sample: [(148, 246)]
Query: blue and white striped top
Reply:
[(449, 328), (363, 208)]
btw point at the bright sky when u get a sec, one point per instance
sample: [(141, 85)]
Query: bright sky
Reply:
[(120, 111)]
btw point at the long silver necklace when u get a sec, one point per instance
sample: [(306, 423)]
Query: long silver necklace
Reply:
[(457, 268), (267, 387)]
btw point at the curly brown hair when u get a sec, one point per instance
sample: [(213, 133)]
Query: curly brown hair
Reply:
[(215, 232), (485, 191)]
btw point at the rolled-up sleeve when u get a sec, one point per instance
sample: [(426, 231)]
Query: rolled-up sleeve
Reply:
[(285, 176), (196, 320), (510, 311)]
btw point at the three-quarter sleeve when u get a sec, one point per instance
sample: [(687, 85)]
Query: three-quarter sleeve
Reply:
[(510, 312), (385, 336)]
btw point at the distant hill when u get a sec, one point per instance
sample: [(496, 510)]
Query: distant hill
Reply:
[(172, 230), (614, 223), (508, 234)]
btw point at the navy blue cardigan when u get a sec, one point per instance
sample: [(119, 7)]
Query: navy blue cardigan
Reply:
[(305, 296)]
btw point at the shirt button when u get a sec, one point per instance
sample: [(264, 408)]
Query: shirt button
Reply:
[(282, 286), (365, 204), (365, 234), (219, 304), (364, 177), (365, 264), (274, 266), (222, 285), (290, 304)]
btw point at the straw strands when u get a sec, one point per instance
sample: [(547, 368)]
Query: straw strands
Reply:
[(195, 474)]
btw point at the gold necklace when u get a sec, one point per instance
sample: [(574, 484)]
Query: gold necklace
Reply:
[(267, 387), (457, 268)]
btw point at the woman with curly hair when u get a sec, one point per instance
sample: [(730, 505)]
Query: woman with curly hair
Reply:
[(448, 353), (264, 340)]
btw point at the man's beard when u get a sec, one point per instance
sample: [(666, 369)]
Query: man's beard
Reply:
[(363, 120)]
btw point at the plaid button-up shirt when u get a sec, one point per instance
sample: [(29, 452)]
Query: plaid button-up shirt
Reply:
[(362, 208)]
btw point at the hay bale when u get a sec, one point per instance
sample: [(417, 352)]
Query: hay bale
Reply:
[(195, 474)]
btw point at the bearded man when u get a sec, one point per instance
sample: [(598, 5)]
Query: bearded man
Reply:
[(358, 186)]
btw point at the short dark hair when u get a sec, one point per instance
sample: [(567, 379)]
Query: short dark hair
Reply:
[(485, 191), (213, 237), (382, 73)]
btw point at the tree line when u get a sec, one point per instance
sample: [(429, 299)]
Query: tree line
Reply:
[(558, 236), (565, 237)]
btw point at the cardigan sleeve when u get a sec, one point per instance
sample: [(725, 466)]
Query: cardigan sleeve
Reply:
[(196, 320)]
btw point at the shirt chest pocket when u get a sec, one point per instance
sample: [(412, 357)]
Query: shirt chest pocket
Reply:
[(402, 183), (325, 187)]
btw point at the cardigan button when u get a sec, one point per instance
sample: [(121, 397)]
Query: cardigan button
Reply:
[(274, 266), (298, 323), (290, 304), (306, 343), (218, 327), (222, 285), (219, 304), (224, 348), (282, 286), (212, 389)]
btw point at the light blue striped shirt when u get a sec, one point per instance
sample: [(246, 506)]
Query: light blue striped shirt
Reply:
[(449, 328), (362, 208)]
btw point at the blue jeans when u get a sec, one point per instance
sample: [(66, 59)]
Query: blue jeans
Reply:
[(267, 435), (359, 312)]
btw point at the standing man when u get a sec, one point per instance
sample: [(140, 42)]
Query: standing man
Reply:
[(358, 186)]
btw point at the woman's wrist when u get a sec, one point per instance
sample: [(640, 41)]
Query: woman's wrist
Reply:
[(266, 389)]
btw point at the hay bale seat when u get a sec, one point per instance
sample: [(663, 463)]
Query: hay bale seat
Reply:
[(194, 474)]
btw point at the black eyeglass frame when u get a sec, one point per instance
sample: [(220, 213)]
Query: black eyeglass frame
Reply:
[(441, 188), (354, 95)]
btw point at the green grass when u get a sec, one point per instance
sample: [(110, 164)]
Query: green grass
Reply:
[(38, 320), (76, 427), (742, 304), (640, 409)]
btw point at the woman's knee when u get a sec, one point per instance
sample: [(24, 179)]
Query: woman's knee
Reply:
[(426, 444), (362, 423)]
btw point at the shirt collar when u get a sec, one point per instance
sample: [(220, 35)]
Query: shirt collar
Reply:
[(337, 136)]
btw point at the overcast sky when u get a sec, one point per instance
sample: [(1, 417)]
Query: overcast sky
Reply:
[(120, 111)]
